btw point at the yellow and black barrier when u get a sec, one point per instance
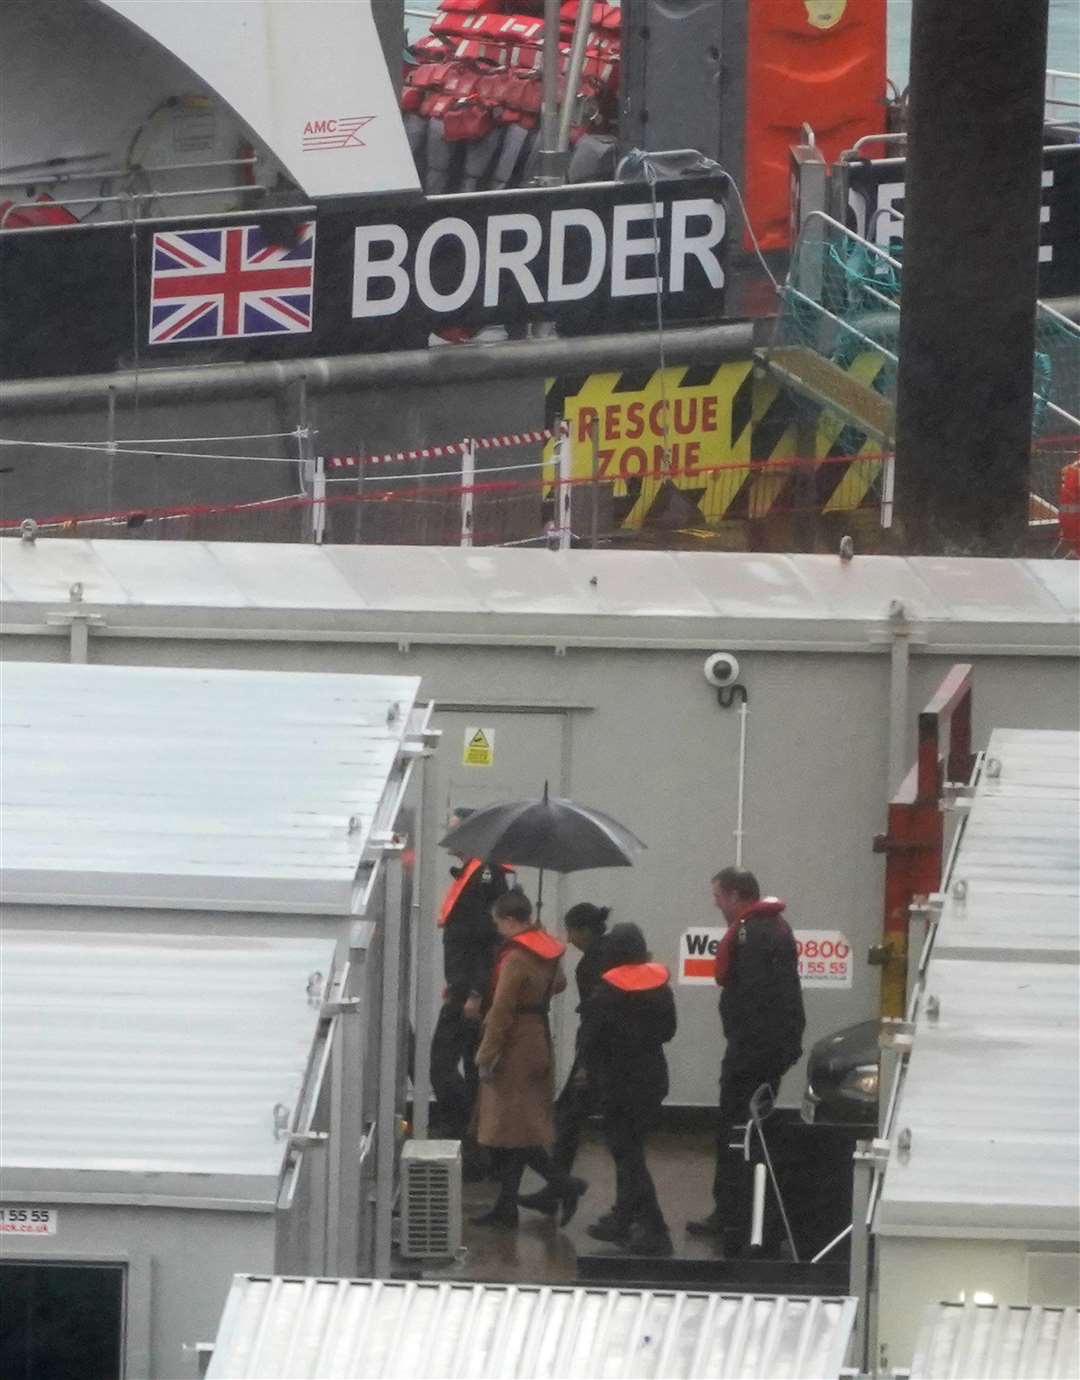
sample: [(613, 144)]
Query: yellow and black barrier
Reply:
[(725, 435)]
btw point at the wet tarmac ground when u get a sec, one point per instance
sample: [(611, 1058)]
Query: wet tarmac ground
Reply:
[(542, 1252)]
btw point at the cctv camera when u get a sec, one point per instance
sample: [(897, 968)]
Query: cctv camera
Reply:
[(721, 669)]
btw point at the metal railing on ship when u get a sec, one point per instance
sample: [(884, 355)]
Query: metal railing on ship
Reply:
[(135, 198)]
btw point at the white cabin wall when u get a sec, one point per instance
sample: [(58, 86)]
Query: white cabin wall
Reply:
[(180, 1263), (917, 1272)]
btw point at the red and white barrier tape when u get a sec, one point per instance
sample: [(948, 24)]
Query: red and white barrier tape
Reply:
[(512, 438)]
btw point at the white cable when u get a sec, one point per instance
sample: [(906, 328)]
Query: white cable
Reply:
[(176, 440), (439, 474), (226, 509), (90, 448), (711, 165), (749, 227), (650, 177)]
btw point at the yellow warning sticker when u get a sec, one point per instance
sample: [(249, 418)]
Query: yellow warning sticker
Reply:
[(479, 747)]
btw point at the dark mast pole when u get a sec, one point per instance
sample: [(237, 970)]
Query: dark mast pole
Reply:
[(971, 246)]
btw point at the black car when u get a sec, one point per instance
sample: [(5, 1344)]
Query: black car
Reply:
[(842, 1077)]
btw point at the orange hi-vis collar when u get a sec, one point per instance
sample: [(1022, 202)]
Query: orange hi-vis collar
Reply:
[(456, 887), (637, 977), (539, 942)]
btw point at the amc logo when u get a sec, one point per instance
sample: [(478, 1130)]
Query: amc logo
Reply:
[(342, 132)]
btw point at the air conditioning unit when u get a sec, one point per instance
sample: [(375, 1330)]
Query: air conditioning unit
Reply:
[(430, 1199)]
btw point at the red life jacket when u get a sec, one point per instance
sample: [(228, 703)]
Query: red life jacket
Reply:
[(637, 977), (768, 905), (458, 885)]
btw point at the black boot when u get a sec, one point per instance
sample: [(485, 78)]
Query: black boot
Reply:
[(503, 1215), (649, 1239), (510, 1165), (713, 1225), (564, 1188), (570, 1196), (610, 1228), (546, 1200), (474, 1161)]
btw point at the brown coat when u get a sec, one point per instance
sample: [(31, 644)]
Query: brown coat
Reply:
[(515, 1106)]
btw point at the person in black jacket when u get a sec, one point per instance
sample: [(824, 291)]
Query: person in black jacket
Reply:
[(761, 1011), (469, 944), (625, 1024), (585, 928)]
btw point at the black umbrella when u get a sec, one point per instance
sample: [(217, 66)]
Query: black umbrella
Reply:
[(549, 833)]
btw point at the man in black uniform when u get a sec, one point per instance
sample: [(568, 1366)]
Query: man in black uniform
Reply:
[(761, 1011), (469, 943)]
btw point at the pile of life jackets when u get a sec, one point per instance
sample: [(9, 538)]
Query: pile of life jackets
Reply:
[(472, 94)]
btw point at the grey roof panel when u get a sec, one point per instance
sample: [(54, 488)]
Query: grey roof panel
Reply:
[(1062, 579), (576, 591), (195, 788), (994, 1076), (1003, 587), (148, 1055), (321, 1329), (964, 1341)]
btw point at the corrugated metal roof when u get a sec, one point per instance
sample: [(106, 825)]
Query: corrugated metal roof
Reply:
[(442, 588), (347, 1329), (991, 1096), (1020, 892), (152, 1054), (204, 789), (982, 1342)]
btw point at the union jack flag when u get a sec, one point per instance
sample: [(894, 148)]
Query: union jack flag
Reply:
[(213, 284)]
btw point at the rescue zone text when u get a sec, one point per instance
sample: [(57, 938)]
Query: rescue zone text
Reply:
[(592, 256)]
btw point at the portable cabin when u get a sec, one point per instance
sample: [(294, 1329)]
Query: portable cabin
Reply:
[(205, 946), (587, 669)]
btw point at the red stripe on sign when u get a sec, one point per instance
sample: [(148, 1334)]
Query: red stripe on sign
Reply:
[(698, 967)]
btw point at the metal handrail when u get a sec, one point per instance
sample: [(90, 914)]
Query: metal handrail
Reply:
[(1053, 76), (1065, 320), (834, 224), (848, 154), (94, 174), (851, 234), (128, 198)]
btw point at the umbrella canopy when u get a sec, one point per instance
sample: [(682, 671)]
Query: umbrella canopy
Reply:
[(549, 833)]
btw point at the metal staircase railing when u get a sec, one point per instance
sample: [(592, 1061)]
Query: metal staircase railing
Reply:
[(839, 326)]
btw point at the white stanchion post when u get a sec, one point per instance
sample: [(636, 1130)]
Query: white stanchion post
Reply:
[(757, 1220), (468, 479), (318, 501), (566, 467), (888, 491), (739, 831)]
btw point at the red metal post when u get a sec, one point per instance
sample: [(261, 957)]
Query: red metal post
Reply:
[(914, 843)]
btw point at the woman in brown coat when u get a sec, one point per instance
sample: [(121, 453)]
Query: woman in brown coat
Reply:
[(514, 1110)]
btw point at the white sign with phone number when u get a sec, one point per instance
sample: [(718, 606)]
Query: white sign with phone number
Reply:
[(29, 1221), (824, 957)]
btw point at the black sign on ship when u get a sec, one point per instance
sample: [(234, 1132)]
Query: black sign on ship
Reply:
[(876, 188), (585, 258)]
